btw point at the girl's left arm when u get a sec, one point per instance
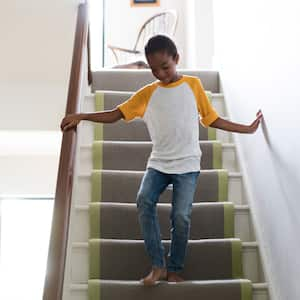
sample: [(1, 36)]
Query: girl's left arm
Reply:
[(235, 127)]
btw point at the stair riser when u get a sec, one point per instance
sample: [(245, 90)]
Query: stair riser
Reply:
[(82, 294), (86, 162), (132, 80), (241, 217), (82, 193), (112, 100), (87, 134), (80, 269)]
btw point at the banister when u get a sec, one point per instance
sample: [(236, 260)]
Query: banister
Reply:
[(53, 288)]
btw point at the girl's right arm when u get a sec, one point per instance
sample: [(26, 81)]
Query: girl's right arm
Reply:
[(107, 116)]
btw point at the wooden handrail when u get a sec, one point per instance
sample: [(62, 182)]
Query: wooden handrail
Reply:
[(90, 75), (53, 289)]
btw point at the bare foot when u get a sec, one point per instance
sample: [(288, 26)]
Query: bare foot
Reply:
[(174, 277), (155, 275)]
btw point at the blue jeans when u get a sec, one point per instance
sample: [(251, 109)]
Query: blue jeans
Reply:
[(153, 184)]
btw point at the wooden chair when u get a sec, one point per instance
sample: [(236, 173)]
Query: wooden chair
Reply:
[(161, 23)]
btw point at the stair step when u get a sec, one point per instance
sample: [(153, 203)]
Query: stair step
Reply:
[(80, 291), (117, 216), (127, 183), (116, 155), (134, 249), (136, 130), (113, 98), (132, 80)]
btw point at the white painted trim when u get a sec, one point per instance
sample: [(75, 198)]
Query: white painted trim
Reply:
[(84, 89), (263, 251)]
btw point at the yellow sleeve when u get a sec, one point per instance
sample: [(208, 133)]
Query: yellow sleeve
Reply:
[(206, 110), (136, 105)]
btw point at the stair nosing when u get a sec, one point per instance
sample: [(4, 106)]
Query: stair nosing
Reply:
[(256, 286), (230, 174), (236, 207), (245, 245)]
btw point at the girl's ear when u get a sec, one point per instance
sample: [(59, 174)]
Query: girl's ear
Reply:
[(176, 58)]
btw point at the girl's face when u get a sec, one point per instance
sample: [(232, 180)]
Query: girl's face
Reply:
[(163, 66)]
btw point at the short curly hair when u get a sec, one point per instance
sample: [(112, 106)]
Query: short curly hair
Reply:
[(161, 43)]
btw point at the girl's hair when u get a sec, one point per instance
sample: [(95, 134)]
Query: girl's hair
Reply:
[(160, 43)]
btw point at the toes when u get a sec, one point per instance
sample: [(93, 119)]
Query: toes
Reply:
[(174, 278), (153, 277)]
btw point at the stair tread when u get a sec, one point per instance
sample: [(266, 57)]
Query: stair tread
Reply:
[(255, 286)]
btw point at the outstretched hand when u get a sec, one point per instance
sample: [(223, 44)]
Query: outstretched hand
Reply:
[(70, 121), (253, 127)]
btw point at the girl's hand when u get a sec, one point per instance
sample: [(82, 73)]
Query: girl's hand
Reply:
[(253, 127), (70, 121)]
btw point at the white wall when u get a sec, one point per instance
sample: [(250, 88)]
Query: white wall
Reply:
[(257, 53), (96, 33), (35, 58), (204, 34), (193, 36), (37, 39), (29, 162)]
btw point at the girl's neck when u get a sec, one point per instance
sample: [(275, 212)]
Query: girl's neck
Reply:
[(176, 78)]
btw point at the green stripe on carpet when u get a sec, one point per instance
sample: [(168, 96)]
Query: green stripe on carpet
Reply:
[(98, 132), (237, 271), (94, 217), (228, 220), (246, 290), (96, 186), (211, 133), (97, 155), (99, 106), (223, 185), (217, 155), (94, 252), (99, 101), (94, 289)]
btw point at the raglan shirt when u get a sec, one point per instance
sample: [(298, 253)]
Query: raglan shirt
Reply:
[(171, 113)]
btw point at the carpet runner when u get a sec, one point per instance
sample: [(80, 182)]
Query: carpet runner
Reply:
[(117, 257)]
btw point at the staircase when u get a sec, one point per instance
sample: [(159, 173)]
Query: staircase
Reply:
[(106, 255)]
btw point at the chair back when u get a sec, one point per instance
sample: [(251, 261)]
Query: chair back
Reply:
[(161, 23)]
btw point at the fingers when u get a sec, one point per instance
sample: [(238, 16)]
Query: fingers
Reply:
[(69, 122), (256, 122), (259, 114), (64, 122), (68, 126), (62, 126)]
